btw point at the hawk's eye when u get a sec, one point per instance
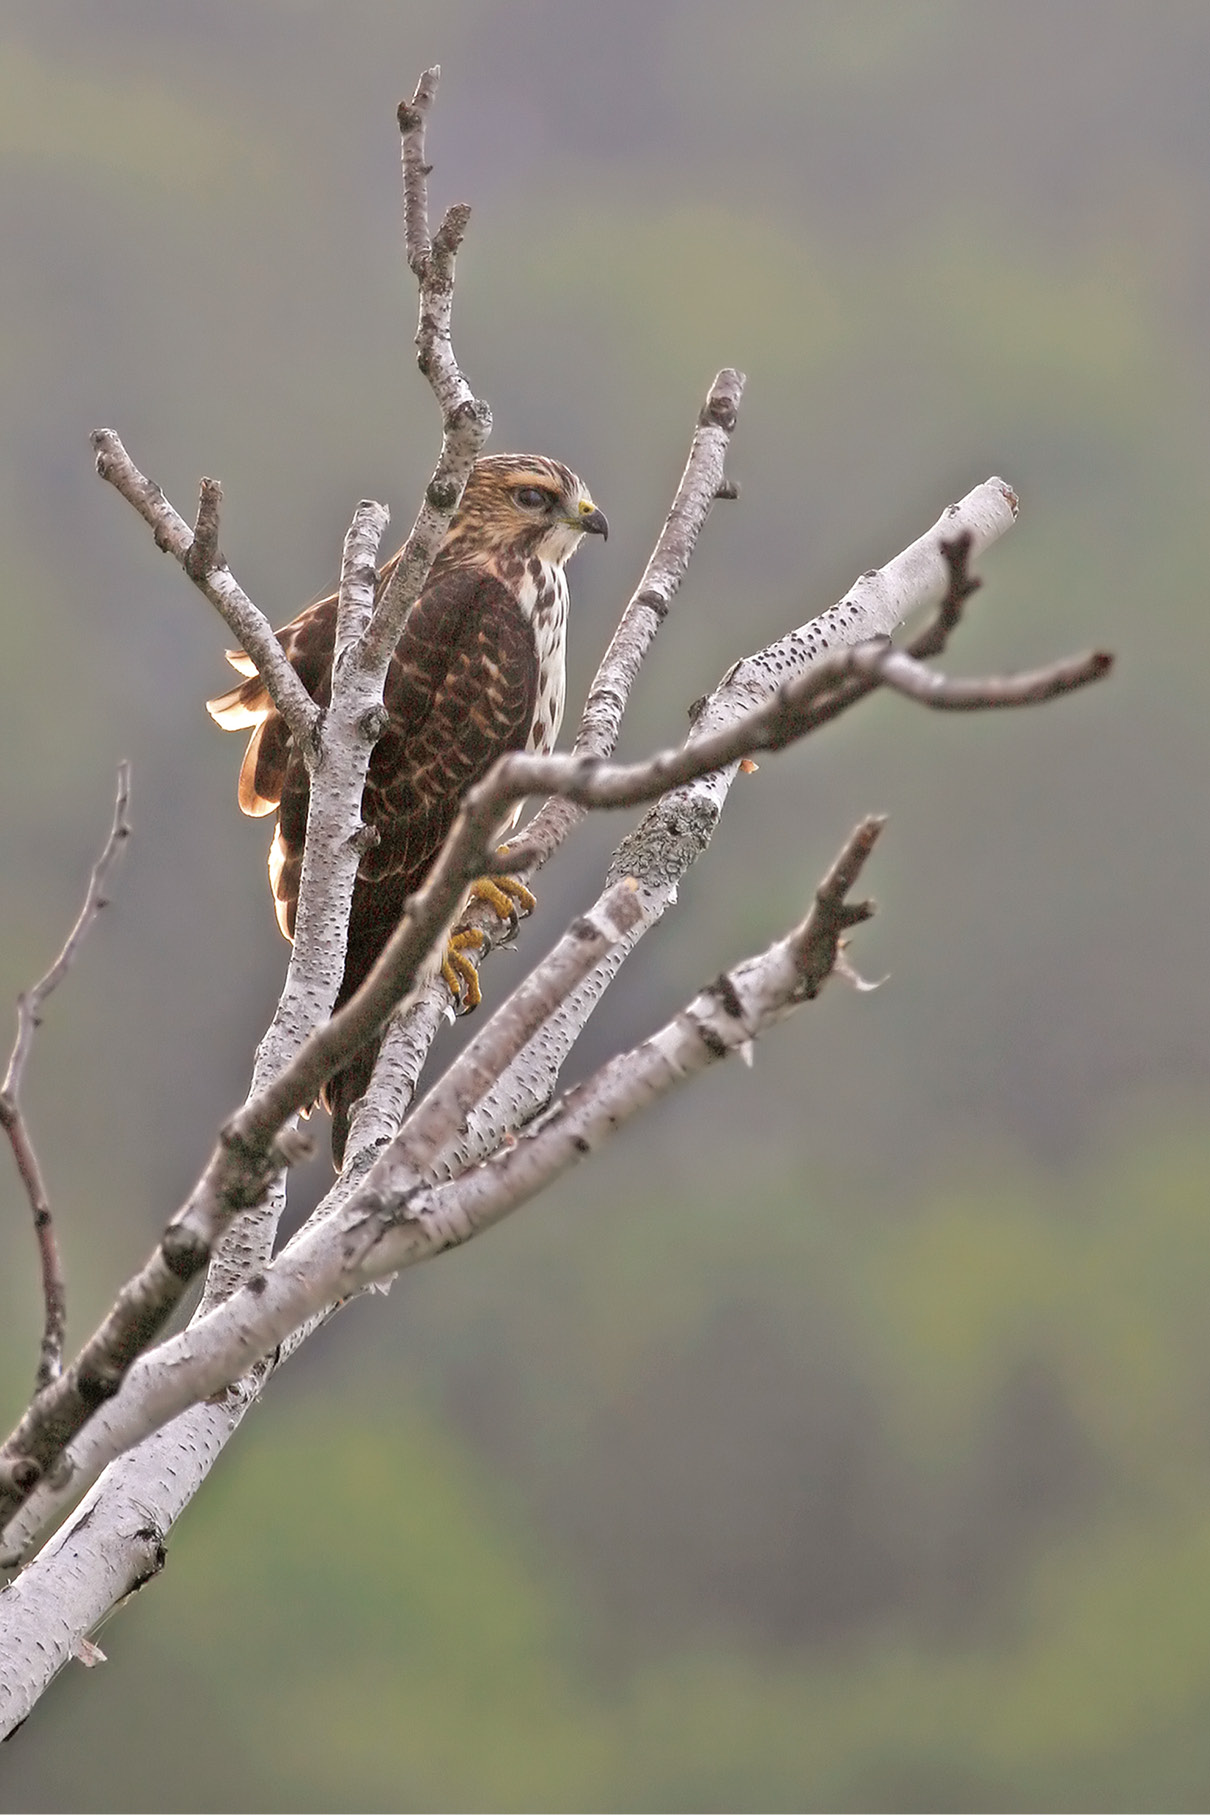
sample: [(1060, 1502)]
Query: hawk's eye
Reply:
[(532, 497)]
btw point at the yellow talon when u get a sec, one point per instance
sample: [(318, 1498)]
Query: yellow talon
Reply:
[(461, 977), (507, 898)]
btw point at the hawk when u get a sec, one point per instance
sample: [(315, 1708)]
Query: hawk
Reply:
[(478, 670)]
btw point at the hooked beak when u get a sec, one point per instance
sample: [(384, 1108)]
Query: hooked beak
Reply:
[(592, 521)]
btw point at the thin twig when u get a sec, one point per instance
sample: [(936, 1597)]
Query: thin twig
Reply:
[(197, 551), (788, 716), (466, 420), (412, 117), (12, 1117), (702, 482), (934, 636), (1033, 687)]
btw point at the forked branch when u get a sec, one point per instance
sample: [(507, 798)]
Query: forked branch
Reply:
[(12, 1116), (392, 1221), (198, 553), (414, 1191), (255, 1144)]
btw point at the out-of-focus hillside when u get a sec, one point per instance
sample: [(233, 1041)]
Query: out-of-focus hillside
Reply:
[(841, 1440)]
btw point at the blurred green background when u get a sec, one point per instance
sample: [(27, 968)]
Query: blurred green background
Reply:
[(841, 1439)]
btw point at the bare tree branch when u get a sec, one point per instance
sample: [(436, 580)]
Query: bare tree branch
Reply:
[(410, 1190), (934, 636), (254, 1144), (366, 638), (701, 483), (407, 1042), (188, 1243), (142, 1406), (412, 117), (413, 1223), (234, 1229), (1033, 688), (203, 551), (211, 575), (12, 1116), (391, 1221), (678, 829), (466, 420)]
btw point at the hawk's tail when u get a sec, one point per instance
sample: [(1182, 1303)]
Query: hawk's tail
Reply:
[(247, 707)]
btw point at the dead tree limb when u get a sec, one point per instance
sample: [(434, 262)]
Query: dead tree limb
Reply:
[(416, 1185), (12, 1116), (255, 1143)]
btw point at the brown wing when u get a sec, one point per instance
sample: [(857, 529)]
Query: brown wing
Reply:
[(460, 690)]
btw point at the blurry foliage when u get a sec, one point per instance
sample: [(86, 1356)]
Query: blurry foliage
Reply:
[(1005, 1604), (861, 1461)]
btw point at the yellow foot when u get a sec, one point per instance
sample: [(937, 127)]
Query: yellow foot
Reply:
[(508, 900), (462, 979)]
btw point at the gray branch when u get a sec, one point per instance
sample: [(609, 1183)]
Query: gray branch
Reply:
[(198, 553), (410, 1190), (393, 1220), (466, 420), (702, 481), (407, 1043), (12, 1116)]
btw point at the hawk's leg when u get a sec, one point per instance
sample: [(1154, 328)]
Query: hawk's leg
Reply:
[(508, 900)]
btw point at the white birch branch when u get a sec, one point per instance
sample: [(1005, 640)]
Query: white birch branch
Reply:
[(198, 552), (412, 1222), (241, 1169), (703, 480), (678, 830), (248, 1213), (466, 420), (251, 1147), (316, 1269), (393, 1221), (196, 1363), (409, 1038)]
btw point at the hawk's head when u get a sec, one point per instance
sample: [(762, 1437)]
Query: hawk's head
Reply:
[(525, 505)]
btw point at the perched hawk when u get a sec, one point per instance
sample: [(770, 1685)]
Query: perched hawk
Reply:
[(478, 670)]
